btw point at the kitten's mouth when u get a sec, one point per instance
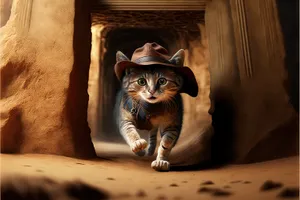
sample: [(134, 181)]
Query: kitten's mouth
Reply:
[(152, 98)]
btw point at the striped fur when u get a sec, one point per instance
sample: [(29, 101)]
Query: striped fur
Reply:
[(153, 104)]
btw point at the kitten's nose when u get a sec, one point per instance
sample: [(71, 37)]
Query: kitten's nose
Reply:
[(151, 91)]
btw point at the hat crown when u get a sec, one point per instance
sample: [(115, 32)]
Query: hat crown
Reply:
[(150, 49)]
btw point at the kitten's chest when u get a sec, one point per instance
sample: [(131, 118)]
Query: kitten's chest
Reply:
[(147, 116), (152, 121), (160, 120), (149, 119)]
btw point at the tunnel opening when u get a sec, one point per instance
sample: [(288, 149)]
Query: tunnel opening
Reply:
[(125, 40), (126, 31)]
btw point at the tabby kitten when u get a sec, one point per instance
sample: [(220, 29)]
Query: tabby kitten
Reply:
[(150, 100)]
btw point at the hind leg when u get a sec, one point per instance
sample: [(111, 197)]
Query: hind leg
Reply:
[(152, 142)]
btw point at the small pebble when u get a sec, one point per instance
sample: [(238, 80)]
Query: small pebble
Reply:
[(289, 193), (27, 165), (270, 185), (161, 197), (184, 181), (39, 170), (141, 193), (219, 192), (238, 181), (78, 163), (247, 182), (227, 186), (80, 190), (173, 185), (214, 191), (205, 189), (207, 183), (158, 187), (111, 179)]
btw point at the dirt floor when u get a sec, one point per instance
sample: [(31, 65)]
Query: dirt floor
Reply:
[(128, 177)]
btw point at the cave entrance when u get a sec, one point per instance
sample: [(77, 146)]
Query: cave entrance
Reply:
[(128, 30), (125, 40)]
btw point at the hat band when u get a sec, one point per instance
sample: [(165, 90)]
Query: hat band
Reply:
[(152, 59)]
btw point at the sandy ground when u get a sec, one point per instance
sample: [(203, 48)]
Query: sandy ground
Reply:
[(123, 175)]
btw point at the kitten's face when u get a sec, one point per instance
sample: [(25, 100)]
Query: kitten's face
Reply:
[(152, 85)]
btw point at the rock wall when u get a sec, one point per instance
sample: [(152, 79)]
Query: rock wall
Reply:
[(181, 20), (44, 73), (288, 12), (5, 10), (93, 84), (253, 117)]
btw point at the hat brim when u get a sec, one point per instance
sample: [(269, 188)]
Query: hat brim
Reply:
[(190, 85)]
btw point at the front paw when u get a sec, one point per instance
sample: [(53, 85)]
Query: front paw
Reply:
[(138, 145), (160, 165)]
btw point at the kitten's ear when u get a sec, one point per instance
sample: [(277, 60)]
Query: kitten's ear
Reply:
[(178, 58), (121, 56)]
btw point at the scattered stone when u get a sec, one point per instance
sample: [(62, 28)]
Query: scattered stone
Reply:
[(161, 197), (205, 189), (158, 187), (39, 170), (289, 193), (78, 163), (207, 183), (79, 190), (219, 192), (33, 188), (247, 182), (29, 188), (214, 191), (238, 181), (227, 186), (27, 165), (184, 181), (141, 193), (111, 179), (173, 185), (270, 185)]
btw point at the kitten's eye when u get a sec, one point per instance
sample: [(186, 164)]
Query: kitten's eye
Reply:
[(162, 81), (142, 81)]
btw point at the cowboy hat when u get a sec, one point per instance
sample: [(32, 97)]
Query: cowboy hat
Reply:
[(154, 54)]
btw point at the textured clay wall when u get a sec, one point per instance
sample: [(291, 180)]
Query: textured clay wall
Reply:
[(168, 19), (5, 9), (41, 71), (288, 12), (253, 117)]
